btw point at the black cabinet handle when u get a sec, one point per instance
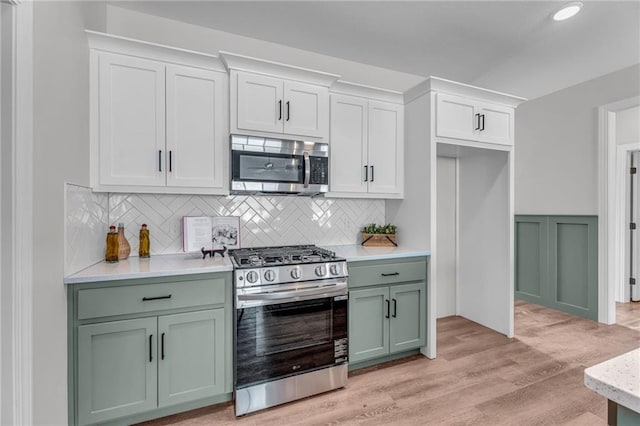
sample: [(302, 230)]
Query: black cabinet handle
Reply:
[(388, 307), (146, 299), (371, 173), (477, 122), (288, 111), (170, 161), (366, 173), (390, 274), (162, 346), (280, 108), (151, 348), (482, 127), (395, 308), (159, 160)]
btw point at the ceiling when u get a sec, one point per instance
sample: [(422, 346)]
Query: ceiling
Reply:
[(509, 46)]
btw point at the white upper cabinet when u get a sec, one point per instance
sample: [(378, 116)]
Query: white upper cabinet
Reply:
[(276, 100), (366, 144), (131, 120), (459, 117), (158, 119)]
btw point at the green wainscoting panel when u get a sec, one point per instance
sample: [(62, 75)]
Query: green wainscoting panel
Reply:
[(557, 262), (530, 246)]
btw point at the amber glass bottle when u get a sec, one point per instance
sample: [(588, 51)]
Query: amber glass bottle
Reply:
[(144, 247), (111, 254)]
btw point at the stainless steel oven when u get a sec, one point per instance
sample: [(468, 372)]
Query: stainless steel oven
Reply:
[(264, 165), (290, 333)]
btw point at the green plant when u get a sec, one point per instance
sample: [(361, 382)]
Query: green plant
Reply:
[(382, 229)]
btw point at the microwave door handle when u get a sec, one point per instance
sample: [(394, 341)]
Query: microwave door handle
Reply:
[(307, 169)]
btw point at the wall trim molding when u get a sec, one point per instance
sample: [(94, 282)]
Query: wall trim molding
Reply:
[(609, 212), (19, 409)]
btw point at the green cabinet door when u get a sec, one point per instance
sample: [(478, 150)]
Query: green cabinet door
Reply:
[(368, 323), (408, 321), (191, 356), (117, 369)]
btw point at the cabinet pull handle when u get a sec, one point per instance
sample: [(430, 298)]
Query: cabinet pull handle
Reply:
[(162, 346), (280, 109), (366, 173), (146, 299), (288, 111), (388, 307), (477, 122), (482, 127), (371, 173), (395, 308), (170, 161), (390, 274), (159, 160), (151, 348)]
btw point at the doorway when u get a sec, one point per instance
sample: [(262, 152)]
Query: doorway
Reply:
[(633, 234)]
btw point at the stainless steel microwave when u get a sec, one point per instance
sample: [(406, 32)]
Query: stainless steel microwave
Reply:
[(265, 165)]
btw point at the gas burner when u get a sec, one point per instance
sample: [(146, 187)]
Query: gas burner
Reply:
[(286, 255)]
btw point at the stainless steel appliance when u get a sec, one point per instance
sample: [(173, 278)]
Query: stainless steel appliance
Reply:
[(264, 165), (291, 324)]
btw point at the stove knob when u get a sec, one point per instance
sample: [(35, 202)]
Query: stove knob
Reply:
[(252, 276), (295, 273), (333, 269), (269, 275), (321, 271)]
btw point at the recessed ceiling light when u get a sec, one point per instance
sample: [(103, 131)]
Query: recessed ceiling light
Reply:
[(567, 11)]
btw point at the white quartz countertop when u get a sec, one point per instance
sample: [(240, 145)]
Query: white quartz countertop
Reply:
[(618, 379), (155, 266), (357, 252)]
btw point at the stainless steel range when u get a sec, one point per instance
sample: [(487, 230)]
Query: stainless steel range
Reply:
[(291, 324)]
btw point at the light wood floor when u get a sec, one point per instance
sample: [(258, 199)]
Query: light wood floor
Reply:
[(628, 315), (479, 378)]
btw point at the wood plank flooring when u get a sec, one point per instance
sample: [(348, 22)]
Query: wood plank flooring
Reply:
[(628, 315), (479, 378)]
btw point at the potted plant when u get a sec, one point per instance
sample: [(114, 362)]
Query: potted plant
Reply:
[(379, 236)]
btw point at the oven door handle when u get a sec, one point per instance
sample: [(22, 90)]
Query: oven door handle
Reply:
[(327, 289), (307, 169)]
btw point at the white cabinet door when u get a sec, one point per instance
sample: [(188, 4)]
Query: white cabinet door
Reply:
[(131, 121), (385, 154), (496, 124), (260, 103), (456, 117), (305, 110), (348, 146), (195, 135)]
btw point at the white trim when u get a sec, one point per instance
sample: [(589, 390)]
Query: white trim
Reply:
[(342, 87), (609, 245)]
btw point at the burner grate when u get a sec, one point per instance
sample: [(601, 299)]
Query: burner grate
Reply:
[(286, 255)]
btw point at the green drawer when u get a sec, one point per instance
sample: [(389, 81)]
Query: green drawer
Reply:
[(362, 274), (131, 299)]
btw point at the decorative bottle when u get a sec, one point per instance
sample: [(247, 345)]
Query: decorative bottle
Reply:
[(111, 254), (124, 249), (143, 248)]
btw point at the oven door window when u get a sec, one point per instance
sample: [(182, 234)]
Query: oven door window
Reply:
[(267, 167), (275, 341)]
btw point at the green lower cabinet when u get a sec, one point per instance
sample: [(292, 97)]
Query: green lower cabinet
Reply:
[(385, 320), (191, 361), (368, 324), (407, 326), (117, 369)]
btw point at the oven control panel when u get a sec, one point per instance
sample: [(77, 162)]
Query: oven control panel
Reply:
[(289, 273)]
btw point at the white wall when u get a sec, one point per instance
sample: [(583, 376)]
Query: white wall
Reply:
[(132, 24), (61, 153), (628, 126), (556, 169), (446, 238)]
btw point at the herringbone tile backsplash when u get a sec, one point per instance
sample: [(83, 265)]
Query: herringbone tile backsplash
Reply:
[(264, 221)]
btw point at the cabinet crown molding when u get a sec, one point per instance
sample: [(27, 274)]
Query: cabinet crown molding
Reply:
[(438, 84), (144, 49), (354, 89), (276, 69)]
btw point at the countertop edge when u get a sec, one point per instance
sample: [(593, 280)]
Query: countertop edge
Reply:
[(140, 275), (607, 388)]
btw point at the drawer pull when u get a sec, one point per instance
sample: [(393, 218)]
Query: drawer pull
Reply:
[(146, 299), (392, 274)]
